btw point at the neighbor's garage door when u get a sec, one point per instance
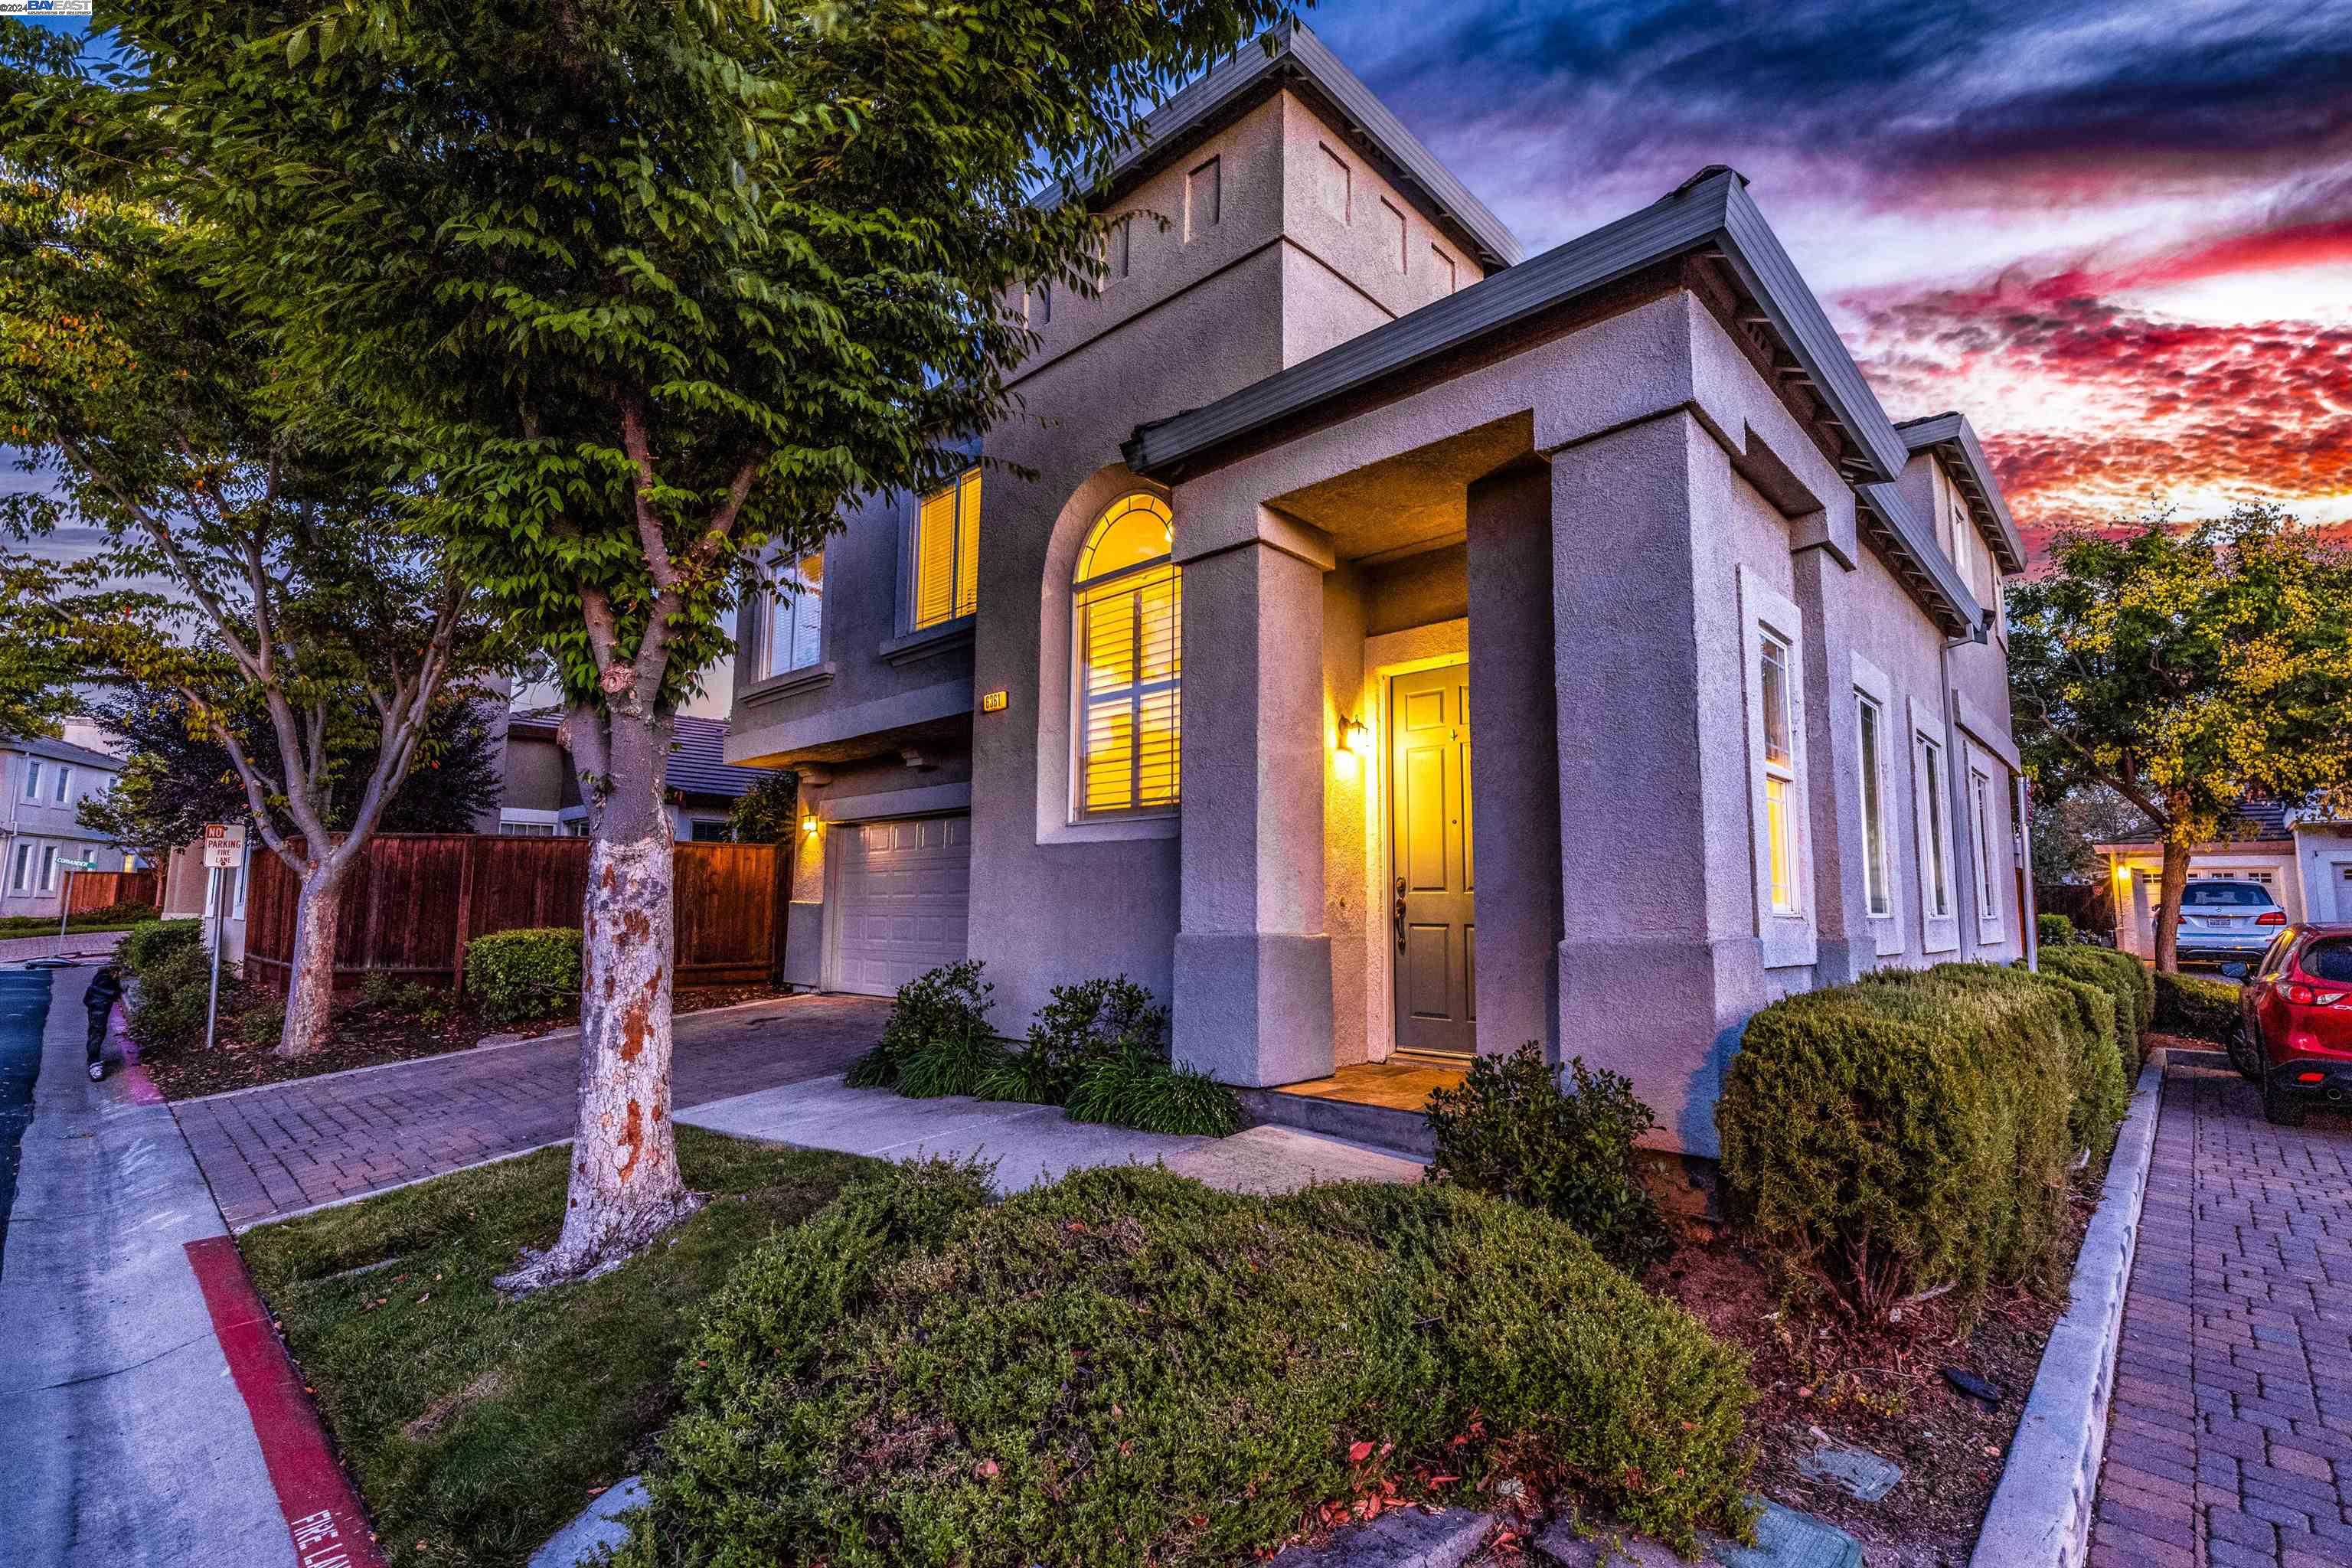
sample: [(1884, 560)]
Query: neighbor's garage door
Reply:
[(904, 887)]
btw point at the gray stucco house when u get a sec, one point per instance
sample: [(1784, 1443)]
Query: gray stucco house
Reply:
[(1328, 475)]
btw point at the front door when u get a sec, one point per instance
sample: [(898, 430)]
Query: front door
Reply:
[(1434, 932)]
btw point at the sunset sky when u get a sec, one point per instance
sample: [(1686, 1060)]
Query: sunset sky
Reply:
[(2119, 238)]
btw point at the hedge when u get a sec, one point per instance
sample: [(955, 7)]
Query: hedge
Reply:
[(530, 974), (1900, 1134), (1128, 1368), (149, 942), (2200, 1008), (2053, 930), (2119, 975)]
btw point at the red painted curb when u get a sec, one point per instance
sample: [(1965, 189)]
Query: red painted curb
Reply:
[(323, 1512)]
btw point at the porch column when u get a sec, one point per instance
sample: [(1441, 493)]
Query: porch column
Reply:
[(1252, 958), (1515, 766), (1659, 960)]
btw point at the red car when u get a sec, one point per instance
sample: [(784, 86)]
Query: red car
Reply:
[(2295, 1021)]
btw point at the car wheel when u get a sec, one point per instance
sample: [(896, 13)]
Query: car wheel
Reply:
[(2278, 1109), (2242, 1055)]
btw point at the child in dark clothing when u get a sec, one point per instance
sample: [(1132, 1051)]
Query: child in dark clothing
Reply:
[(105, 989)]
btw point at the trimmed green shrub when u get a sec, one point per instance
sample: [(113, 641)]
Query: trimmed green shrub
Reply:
[(1093, 1021), (1127, 1368), (1025, 1078), (1516, 1130), (948, 1002), (2119, 975), (172, 993), (1901, 1134), (149, 942), (957, 1062), (2054, 929), (531, 974), (1136, 1088), (2193, 1006)]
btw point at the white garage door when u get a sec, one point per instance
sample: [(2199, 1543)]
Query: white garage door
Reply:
[(903, 888)]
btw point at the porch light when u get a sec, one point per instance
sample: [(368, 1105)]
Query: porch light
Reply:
[(808, 822), (1354, 738)]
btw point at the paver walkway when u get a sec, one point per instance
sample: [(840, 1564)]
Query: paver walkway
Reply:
[(272, 1150), (2232, 1439), (85, 946)]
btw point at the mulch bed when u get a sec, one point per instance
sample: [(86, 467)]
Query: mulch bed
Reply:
[(369, 1037)]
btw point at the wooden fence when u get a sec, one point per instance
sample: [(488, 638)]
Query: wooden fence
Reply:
[(2090, 905), (415, 900), (104, 889)]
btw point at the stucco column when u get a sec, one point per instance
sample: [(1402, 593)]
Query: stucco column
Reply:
[(1252, 958), (1659, 960), (1515, 761), (1845, 946)]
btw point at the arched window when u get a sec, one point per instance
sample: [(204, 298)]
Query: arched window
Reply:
[(1128, 601)]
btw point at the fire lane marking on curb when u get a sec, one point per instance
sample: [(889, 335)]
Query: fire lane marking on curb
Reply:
[(322, 1512)]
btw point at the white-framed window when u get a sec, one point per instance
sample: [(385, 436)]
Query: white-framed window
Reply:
[(1127, 616), (1877, 889), (946, 553), (20, 867), (797, 616), (1775, 633), (1983, 816), (1931, 808), (32, 778), (49, 867), (63, 785), (1967, 550)]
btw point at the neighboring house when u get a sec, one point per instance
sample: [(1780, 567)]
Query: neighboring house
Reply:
[(1179, 681), (542, 793), (43, 782), (2303, 859)]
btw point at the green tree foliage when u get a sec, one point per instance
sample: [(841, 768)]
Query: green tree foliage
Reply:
[(646, 293), (767, 813), (2187, 668), (156, 408)]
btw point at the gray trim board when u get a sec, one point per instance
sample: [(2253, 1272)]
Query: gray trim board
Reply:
[(1291, 54), (924, 800)]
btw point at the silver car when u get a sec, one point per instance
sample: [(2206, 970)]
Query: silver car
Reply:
[(2224, 920)]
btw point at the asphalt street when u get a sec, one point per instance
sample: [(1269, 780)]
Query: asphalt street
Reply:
[(23, 1006)]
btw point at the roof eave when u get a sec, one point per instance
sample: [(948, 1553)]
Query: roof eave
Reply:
[(1953, 438)]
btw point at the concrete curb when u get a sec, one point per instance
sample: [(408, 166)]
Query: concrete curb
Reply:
[(2041, 1511)]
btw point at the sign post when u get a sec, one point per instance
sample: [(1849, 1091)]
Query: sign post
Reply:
[(65, 898), (224, 851)]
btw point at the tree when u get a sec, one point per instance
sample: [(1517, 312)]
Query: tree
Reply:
[(649, 291), (38, 667), (2187, 668), (178, 776), (150, 397), (2068, 827), (767, 813)]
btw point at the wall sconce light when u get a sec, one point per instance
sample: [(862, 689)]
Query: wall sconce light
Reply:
[(808, 822), (1354, 738)]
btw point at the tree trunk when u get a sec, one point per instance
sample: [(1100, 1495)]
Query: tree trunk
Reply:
[(625, 1188), (310, 984), (2168, 886)]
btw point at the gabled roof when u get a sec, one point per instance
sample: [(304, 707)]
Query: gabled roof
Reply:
[(1710, 215), (1292, 56), (62, 752), (1951, 438), (2248, 822)]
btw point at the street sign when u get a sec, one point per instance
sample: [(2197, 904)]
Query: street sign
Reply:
[(78, 865), (224, 846)]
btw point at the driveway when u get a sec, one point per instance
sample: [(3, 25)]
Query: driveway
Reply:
[(275, 1151), (2232, 1438)]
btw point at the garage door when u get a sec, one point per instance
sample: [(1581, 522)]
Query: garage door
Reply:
[(903, 888)]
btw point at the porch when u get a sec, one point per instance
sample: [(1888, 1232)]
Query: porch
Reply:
[(1376, 1103)]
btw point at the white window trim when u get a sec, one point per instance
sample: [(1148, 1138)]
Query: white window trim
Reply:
[(1870, 681), (33, 780), (910, 559), (63, 787), (1939, 932), (1079, 815), (20, 867), (1788, 936), (49, 867), (781, 574), (1985, 836)]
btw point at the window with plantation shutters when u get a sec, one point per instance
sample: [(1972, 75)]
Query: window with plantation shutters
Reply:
[(1131, 655), (946, 553), (797, 616)]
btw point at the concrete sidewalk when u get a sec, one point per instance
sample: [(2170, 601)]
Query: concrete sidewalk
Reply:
[(122, 1438), (1034, 1144)]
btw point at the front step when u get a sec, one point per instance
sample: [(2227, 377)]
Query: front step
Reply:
[(1382, 1127)]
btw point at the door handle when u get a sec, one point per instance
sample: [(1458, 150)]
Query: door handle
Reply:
[(1399, 922)]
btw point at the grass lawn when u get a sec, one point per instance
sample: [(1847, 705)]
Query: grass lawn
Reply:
[(476, 1428), (38, 925)]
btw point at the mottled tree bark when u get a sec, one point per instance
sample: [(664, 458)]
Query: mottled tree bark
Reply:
[(310, 984), (626, 1188), (2171, 883)]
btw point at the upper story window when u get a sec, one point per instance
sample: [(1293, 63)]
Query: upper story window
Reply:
[(32, 778), (1878, 891), (946, 553), (1967, 550), (1128, 598), (797, 616), (64, 784)]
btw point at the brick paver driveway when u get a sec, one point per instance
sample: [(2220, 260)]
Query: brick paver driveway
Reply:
[(269, 1152), (2232, 1442)]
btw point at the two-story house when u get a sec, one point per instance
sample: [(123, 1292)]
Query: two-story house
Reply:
[(1181, 679), (43, 784)]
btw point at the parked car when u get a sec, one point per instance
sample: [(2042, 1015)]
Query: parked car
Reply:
[(2295, 1021), (2225, 919)]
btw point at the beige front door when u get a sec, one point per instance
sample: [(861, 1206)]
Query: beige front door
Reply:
[(1435, 956)]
